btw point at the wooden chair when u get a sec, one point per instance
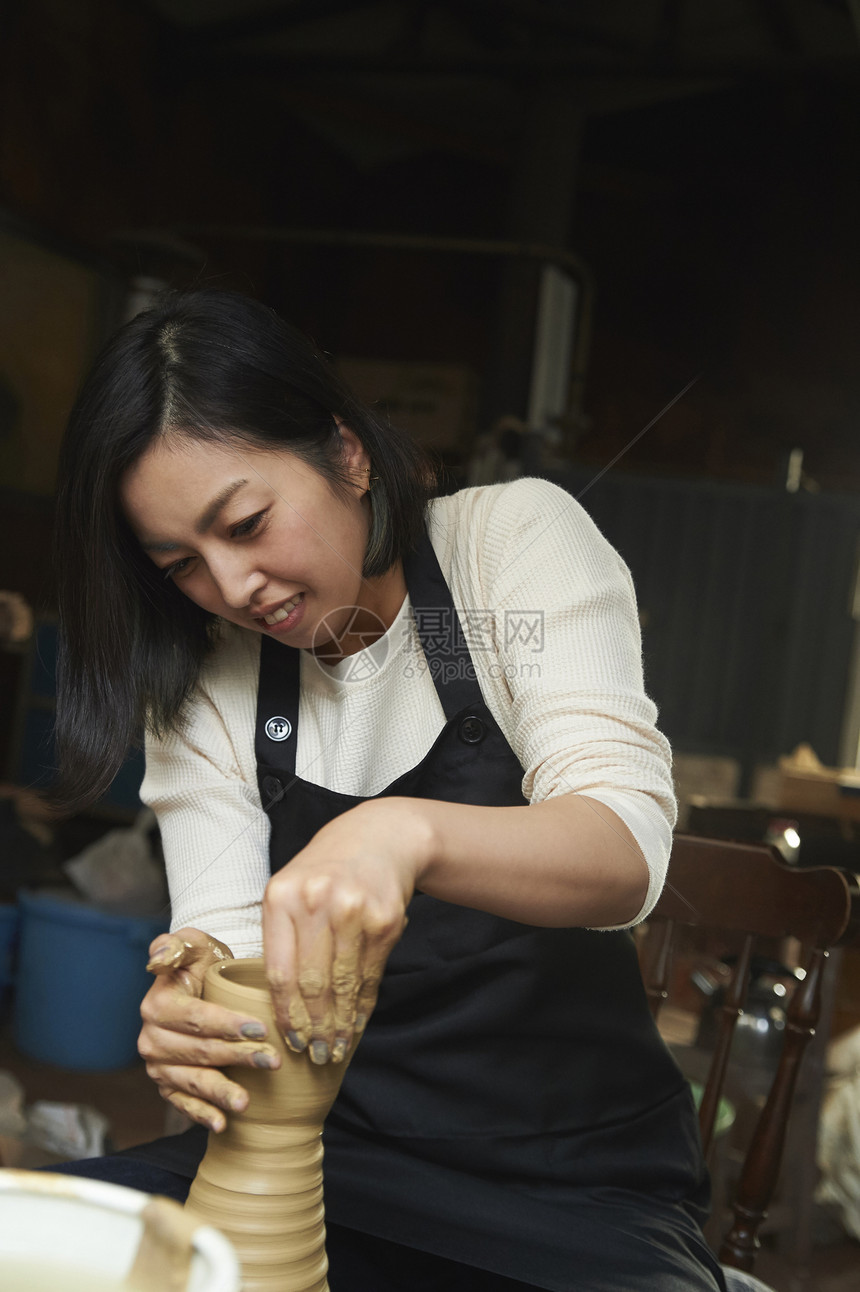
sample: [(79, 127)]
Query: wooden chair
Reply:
[(746, 890)]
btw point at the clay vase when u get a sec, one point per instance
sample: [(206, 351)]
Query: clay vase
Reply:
[(261, 1179)]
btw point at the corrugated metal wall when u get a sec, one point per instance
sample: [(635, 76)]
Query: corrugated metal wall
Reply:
[(745, 596)]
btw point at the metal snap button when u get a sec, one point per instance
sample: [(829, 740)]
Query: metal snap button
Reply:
[(273, 789), (472, 730)]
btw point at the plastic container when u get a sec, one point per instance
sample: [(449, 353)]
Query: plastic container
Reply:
[(81, 978), (62, 1231), (9, 919)]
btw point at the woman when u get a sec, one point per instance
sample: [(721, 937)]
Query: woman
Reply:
[(404, 747)]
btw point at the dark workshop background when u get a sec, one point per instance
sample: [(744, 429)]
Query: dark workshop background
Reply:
[(696, 164)]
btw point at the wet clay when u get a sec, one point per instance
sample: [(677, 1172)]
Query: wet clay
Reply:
[(261, 1179), (163, 1260)]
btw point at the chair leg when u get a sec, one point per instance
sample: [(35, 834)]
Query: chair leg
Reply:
[(761, 1167)]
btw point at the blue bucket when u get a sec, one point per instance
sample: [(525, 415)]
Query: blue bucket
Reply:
[(81, 978), (9, 919)]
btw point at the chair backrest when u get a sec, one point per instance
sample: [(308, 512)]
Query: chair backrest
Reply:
[(747, 890)]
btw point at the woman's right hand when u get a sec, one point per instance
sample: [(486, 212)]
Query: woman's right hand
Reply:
[(185, 1040)]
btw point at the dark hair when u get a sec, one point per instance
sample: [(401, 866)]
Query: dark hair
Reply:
[(208, 365)]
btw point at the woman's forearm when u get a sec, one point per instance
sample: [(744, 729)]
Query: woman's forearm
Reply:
[(563, 862), (333, 915)]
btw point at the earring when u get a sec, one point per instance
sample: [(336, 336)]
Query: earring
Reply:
[(370, 479)]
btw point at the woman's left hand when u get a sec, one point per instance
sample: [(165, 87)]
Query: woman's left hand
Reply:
[(331, 918)]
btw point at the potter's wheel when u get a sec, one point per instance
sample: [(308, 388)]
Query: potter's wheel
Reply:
[(62, 1233)]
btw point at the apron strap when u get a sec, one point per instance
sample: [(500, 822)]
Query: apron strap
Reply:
[(276, 735), (442, 640), (440, 631)]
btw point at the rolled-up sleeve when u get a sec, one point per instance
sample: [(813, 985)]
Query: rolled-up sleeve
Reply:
[(569, 645)]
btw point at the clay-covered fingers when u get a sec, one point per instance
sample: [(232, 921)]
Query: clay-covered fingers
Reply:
[(186, 1064), (346, 981), (204, 1095), (187, 949), (326, 955), (179, 1028), (299, 949), (297, 941), (330, 920), (382, 931), (162, 1045), (290, 1014), (168, 952), (185, 1040), (329, 966), (169, 1005)]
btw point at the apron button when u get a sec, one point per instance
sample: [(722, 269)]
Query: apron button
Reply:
[(472, 730), (279, 728), (273, 790)]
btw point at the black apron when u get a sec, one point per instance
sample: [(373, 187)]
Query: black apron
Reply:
[(511, 1107), (511, 1104)]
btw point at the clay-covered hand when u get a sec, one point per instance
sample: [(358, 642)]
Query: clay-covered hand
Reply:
[(185, 1040), (331, 919)]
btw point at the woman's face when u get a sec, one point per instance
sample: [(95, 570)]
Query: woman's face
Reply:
[(258, 537)]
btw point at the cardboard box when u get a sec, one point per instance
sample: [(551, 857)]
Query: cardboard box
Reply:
[(802, 784), (823, 796), (435, 402)]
